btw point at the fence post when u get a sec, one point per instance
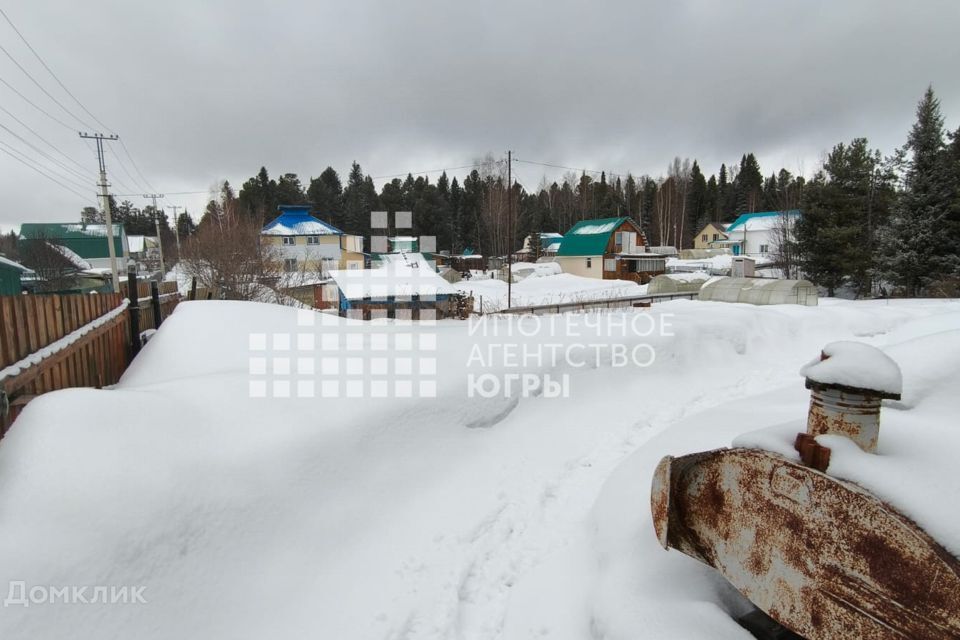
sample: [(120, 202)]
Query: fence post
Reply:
[(134, 309), (155, 301), (193, 288)]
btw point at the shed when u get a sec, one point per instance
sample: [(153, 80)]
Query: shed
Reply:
[(394, 287), (760, 291), (10, 273)]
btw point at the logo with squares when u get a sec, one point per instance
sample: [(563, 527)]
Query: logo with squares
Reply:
[(354, 360)]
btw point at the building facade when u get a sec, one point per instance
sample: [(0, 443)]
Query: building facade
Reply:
[(610, 249), (305, 244)]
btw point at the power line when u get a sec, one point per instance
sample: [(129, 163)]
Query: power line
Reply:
[(43, 153), (75, 99), (125, 170), (418, 173), (38, 107), (42, 88), (42, 139), (133, 162), (45, 175), (560, 166), (67, 178), (49, 70)]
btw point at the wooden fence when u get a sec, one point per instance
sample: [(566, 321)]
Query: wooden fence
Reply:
[(97, 358)]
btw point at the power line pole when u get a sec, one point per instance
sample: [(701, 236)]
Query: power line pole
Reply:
[(99, 137), (509, 227), (176, 225), (156, 222)]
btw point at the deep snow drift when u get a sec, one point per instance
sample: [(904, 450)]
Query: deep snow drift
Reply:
[(420, 517)]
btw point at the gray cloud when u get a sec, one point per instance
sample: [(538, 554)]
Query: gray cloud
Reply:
[(205, 91)]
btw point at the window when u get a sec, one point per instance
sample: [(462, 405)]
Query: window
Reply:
[(589, 263), (618, 237), (290, 264), (703, 238), (716, 237), (609, 264), (289, 240), (764, 248), (313, 239)]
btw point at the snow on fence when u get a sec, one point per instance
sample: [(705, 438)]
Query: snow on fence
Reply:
[(50, 342)]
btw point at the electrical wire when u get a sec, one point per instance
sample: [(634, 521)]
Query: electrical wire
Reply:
[(42, 88), (50, 71), (44, 174), (419, 173), (41, 138), (43, 153)]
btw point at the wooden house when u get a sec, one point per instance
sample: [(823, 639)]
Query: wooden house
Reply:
[(611, 249)]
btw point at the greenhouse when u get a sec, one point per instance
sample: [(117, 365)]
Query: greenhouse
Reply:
[(760, 291), (678, 282)]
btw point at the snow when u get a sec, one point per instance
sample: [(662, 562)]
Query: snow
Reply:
[(11, 263), (393, 279), (546, 289), (430, 518), (591, 229), (722, 262), (305, 228), (535, 269), (691, 276), (72, 256), (855, 364)]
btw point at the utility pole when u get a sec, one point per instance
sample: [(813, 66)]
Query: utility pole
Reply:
[(509, 227), (176, 225), (108, 216), (156, 222)]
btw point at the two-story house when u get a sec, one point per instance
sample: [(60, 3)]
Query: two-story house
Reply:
[(307, 244)]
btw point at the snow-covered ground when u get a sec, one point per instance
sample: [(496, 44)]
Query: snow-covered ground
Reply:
[(542, 287), (433, 517)]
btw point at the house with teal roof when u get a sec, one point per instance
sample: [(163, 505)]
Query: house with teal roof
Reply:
[(86, 241), (758, 234), (609, 249)]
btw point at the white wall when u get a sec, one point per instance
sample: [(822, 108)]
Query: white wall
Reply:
[(577, 265)]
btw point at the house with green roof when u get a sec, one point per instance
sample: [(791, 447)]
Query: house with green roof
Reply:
[(85, 241), (609, 249)]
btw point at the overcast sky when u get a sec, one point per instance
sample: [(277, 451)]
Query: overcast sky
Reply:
[(202, 91)]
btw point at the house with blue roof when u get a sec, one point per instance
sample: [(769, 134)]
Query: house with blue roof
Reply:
[(309, 245), (758, 234), (609, 249)]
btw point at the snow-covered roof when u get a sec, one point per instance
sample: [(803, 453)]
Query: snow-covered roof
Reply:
[(403, 239), (857, 365), (297, 221), (409, 259), (16, 265), (763, 220), (393, 279), (70, 255)]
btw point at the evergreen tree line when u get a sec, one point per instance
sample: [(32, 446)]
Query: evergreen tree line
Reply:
[(869, 221), (474, 213)]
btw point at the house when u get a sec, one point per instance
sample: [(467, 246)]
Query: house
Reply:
[(713, 232), (549, 244), (609, 248), (309, 245), (87, 241), (10, 273), (405, 286), (758, 234)]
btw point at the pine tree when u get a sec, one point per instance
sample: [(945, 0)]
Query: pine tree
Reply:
[(325, 195), (843, 204), (355, 202), (918, 255)]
